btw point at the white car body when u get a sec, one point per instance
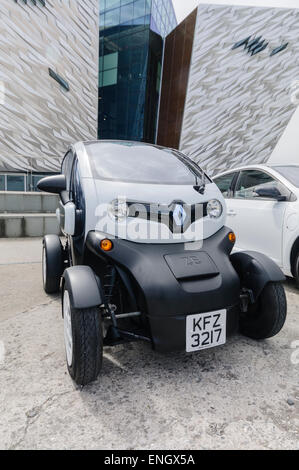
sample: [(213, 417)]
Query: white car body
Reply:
[(264, 224)]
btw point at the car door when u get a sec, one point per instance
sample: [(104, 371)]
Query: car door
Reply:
[(258, 220)]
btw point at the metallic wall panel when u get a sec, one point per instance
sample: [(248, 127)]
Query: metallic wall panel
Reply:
[(38, 119), (238, 105), (177, 57)]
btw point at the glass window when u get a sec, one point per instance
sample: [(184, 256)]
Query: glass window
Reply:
[(139, 21), (2, 182), (250, 182), (15, 183), (224, 183), (67, 167), (138, 163), (110, 77), (291, 173), (139, 8), (112, 18), (109, 4), (101, 63), (76, 187), (110, 61), (102, 21), (126, 13), (35, 179)]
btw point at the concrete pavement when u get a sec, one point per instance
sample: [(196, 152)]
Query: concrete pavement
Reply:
[(243, 395)]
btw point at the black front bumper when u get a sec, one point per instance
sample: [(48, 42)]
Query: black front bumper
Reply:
[(176, 280)]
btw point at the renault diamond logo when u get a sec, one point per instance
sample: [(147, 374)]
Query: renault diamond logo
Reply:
[(179, 215)]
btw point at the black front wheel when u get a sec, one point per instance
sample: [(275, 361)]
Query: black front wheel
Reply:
[(267, 316), (83, 341)]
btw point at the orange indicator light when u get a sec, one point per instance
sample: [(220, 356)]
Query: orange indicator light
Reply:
[(106, 245)]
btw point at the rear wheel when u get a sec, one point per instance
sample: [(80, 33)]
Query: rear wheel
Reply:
[(52, 262), (83, 341), (267, 316)]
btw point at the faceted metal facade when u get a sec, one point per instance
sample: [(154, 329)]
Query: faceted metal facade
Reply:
[(238, 105), (38, 117)]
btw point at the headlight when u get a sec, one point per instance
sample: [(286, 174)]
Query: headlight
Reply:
[(119, 209), (214, 209)]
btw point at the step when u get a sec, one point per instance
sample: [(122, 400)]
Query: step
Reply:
[(28, 225), (21, 202)]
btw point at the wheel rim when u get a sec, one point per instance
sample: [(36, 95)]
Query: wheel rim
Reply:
[(68, 333), (44, 261)]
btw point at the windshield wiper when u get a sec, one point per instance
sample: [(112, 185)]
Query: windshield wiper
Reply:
[(201, 189), (200, 186)]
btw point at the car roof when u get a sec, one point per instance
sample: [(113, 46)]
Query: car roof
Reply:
[(126, 142), (253, 167)]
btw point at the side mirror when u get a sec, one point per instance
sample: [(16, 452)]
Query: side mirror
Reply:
[(66, 215), (270, 193), (53, 184), (69, 218)]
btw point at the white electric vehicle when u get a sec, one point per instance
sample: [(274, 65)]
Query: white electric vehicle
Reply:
[(263, 210), (146, 256)]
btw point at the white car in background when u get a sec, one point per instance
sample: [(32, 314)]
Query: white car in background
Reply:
[(263, 210)]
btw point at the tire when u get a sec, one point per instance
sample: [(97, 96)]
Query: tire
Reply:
[(52, 262), (266, 318), (296, 270), (83, 340)]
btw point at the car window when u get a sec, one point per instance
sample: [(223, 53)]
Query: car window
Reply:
[(76, 188), (224, 183), (77, 197), (66, 168), (141, 163), (250, 181)]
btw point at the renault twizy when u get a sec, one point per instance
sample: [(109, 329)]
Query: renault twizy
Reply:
[(146, 256)]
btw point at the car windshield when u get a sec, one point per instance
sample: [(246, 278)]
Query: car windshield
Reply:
[(291, 173), (140, 163)]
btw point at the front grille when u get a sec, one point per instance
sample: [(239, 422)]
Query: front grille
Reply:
[(166, 214)]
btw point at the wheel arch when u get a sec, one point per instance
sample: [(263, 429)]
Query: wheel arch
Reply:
[(256, 271), (294, 252), (83, 286), (52, 247)]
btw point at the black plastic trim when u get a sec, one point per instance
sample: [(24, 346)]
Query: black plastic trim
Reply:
[(53, 247), (164, 294), (83, 287), (256, 270)]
